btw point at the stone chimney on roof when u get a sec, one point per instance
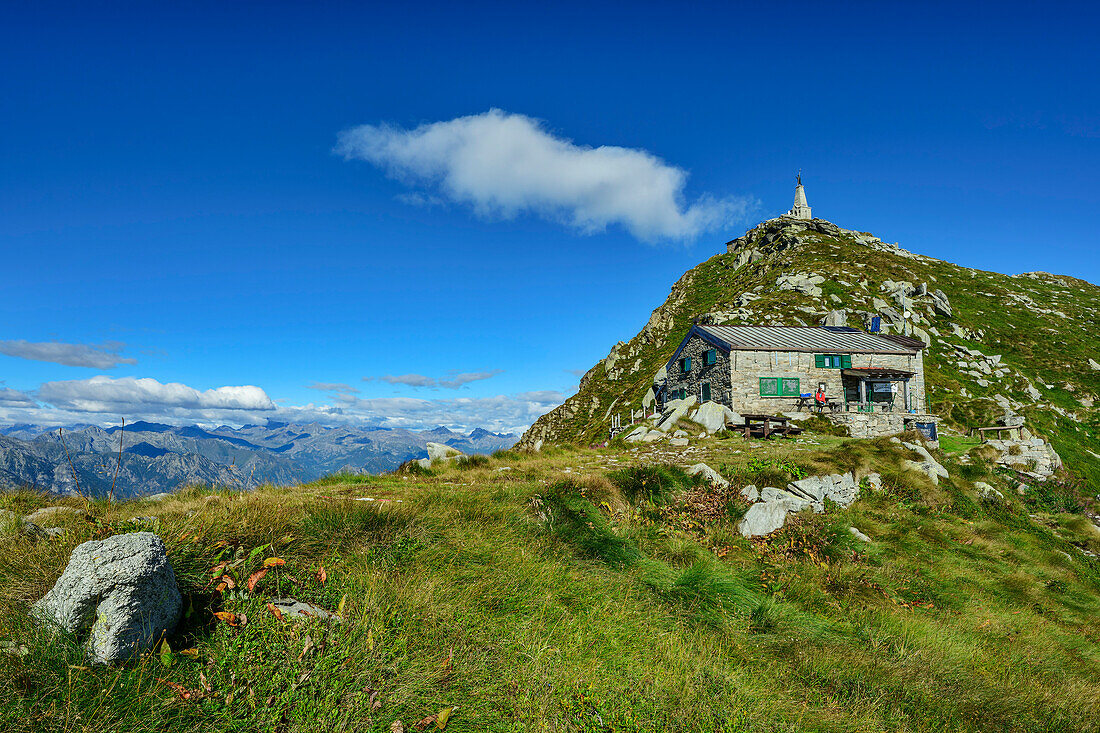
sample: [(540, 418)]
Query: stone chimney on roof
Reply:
[(800, 210)]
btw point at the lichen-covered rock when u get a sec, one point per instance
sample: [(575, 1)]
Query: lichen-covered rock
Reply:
[(711, 476), (439, 451), (713, 416), (296, 610), (859, 535), (50, 514), (674, 410), (929, 466), (767, 516), (120, 591), (841, 488), (985, 491)]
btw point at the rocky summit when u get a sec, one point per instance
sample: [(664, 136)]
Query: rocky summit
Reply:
[(1002, 349)]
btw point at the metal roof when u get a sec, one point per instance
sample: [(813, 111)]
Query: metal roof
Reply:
[(877, 372), (817, 339)]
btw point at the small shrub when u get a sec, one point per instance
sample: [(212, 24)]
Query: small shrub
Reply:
[(413, 467), (815, 537), (768, 471), (465, 463), (343, 477), (651, 483), (824, 426), (764, 618)]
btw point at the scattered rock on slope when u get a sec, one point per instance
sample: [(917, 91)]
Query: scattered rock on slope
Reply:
[(712, 477)]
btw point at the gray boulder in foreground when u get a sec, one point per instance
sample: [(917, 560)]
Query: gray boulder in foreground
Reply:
[(121, 591)]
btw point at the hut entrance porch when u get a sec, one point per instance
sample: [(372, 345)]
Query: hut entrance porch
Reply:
[(877, 390)]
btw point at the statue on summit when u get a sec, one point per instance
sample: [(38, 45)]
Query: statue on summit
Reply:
[(801, 209)]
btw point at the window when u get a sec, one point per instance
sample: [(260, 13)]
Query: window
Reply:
[(685, 365), (679, 394), (789, 387), (779, 387), (710, 356), (833, 361), (704, 392)]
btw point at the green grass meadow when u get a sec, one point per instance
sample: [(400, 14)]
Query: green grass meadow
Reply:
[(615, 596)]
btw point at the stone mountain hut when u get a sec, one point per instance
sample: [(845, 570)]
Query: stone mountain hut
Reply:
[(873, 382)]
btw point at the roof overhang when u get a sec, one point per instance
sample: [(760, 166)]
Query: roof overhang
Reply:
[(877, 373)]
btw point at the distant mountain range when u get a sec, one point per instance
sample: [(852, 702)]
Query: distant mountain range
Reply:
[(157, 457)]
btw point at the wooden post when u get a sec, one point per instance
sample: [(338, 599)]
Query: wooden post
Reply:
[(862, 392)]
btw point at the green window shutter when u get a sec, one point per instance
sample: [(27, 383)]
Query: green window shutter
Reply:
[(819, 361), (704, 392), (687, 364), (846, 361), (790, 387), (769, 387)]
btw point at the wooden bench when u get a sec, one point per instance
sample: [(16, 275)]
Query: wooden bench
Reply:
[(994, 429)]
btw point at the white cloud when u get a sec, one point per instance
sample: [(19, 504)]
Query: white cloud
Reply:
[(543, 397), (102, 400), (333, 387), (148, 396), (502, 413), (411, 380), (458, 380), (103, 356), (14, 398), (505, 164), (453, 381)]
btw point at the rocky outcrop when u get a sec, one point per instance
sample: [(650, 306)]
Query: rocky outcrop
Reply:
[(120, 592), (1032, 455), (774, 504), (928, 465)]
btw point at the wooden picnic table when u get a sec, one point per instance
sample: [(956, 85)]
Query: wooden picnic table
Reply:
[(832, 403), (767, 425)]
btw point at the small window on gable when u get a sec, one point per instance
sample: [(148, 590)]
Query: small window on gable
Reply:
[(833, 361), (710, 356), (685, 365)]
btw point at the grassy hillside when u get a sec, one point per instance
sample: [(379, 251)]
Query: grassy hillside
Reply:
[(592, 590), (1043, 326)]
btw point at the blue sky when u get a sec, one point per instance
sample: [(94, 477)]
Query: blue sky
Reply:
[(186, 235)]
